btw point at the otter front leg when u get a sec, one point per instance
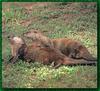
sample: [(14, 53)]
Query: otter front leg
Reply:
[(57, 64), (15, 55), (10, 60), (15, 59)]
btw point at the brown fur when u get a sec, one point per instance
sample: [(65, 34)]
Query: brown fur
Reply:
[(35, 35), (72, 48), (48, 55), (69, 47), (17, 47), (36, 52)]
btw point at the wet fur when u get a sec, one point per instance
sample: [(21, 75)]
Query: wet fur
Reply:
[(73, 49), (69, 47), (45, 55), (35, 35), (48, 55), (17, 48)]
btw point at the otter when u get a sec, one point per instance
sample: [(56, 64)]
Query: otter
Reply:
[(35, 35), (73, 49), (69, 47), (37, 52), (47, 55), (17, 45)]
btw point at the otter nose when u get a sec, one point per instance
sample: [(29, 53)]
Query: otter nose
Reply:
[(8, 36)]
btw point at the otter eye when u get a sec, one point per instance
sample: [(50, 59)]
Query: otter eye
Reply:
[(35, 31), (47, 46)]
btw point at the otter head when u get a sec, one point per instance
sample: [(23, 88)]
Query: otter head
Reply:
[(82, 53), (33, 34), (77, 52)]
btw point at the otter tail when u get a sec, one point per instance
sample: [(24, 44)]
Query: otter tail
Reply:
[(79, 62), (90, 58)]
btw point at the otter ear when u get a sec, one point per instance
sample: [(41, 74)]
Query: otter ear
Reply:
[(80, 47), (10, 36), (44, 31)]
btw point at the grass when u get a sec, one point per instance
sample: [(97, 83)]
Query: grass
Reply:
[(39, 76), (70, 20)]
